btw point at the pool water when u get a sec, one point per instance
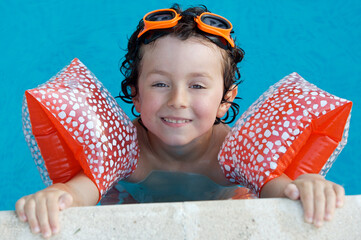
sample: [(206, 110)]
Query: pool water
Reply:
[(318, 39)]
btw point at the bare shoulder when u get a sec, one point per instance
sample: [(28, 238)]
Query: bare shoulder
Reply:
[(221, 131), (142, 169), (141, 131)]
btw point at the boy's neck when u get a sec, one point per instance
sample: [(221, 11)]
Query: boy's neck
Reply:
[(188, 153)]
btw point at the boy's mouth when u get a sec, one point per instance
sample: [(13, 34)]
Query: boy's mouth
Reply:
[(175, 120)]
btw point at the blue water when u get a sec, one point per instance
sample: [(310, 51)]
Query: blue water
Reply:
[(318, 39)]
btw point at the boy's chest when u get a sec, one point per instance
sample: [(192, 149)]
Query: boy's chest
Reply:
[(207, 165)]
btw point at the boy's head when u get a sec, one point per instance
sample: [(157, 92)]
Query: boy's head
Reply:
[(183, 25)]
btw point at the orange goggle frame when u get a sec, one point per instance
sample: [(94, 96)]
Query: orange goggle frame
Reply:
[(168, 18)]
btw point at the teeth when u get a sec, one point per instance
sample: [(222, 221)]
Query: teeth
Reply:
[(175, 121)]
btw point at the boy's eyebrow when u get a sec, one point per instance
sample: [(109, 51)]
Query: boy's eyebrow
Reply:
[(192, 74), (158, 71), (200, 74)]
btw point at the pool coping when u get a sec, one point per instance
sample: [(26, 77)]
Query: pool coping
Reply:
[(226, 219)]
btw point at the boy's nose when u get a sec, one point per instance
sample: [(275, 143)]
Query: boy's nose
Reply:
[(178, 98)]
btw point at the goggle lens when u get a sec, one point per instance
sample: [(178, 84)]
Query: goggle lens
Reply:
[(160, 16), (214, 21)]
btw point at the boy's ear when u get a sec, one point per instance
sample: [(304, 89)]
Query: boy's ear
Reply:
[(135, 99), (230, 96)]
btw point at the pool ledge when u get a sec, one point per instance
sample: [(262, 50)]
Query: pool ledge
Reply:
[(230, 219)]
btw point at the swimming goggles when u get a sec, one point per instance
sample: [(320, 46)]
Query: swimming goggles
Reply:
[(215, 27)]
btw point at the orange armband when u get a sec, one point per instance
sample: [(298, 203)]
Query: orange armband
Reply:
[(72, 123), (293, 128)]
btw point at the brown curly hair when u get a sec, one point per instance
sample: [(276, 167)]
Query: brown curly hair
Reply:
[(185, 28)]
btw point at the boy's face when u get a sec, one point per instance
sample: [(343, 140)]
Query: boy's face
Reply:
[(180, 89)]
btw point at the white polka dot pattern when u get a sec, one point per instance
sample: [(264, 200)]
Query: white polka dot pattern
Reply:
[(269, 134), (94, 120)]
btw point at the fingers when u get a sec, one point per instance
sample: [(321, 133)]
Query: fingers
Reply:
[(330, 203), (65, 201), (319, 202), (319, 199), (41, 210), (30, 212), (53, 216), (306, 195), (340, 195), (291, 191), (42, 216), (19, 209)]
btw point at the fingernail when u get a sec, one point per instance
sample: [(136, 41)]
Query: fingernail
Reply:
[(54, 230), (339, 203), (318, 223), (36, 229), (61, 206), (46, 234), (309, 219), (23, 218)]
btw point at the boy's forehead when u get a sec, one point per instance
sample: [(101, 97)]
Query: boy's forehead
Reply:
[(174, 58), (174, 42), (169, 48)]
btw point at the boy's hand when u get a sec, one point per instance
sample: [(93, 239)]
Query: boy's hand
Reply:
[(319, 197), (41, 209)]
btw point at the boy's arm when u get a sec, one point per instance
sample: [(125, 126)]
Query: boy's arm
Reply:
[(41, 209), (275, 187), (319, 197), (83, 190)]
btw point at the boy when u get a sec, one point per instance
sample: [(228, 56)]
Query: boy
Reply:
[(181, 75)]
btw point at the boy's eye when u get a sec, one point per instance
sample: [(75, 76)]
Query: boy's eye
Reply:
[(159, 85), (197, 86)]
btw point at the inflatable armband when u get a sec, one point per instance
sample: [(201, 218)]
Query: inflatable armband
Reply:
[(293, 128), (71, 123)]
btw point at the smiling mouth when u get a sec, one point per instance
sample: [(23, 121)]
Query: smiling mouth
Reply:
[(178, 121)]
